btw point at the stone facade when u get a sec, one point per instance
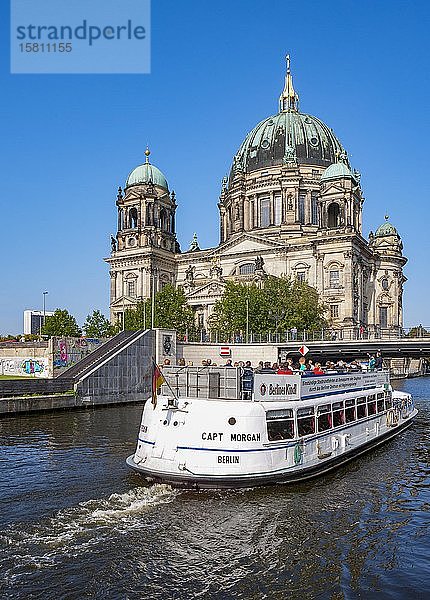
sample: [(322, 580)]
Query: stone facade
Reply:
[(292, 205)]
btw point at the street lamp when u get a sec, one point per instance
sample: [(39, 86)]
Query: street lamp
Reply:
[(44, 310)]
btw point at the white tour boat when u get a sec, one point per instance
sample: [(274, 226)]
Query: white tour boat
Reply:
[(208, 430)]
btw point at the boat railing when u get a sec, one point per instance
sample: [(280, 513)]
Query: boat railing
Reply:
[(238, 383), (203, 382)]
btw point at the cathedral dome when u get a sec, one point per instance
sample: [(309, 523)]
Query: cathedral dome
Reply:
[(386, 229), (288, 137), (147, 173)]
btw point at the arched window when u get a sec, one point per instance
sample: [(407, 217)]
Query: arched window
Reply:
[(247, 269), (333, 215), (133, 217)]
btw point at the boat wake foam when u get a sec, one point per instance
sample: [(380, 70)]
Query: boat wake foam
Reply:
[(74, 530)]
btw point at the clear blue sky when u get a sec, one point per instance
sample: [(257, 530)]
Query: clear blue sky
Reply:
[(68, 141)]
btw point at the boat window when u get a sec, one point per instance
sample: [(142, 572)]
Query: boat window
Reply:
[(380, 395), (388, 400), (280, 424), (380, 404), (349, 410), (323, 408), (305, 421), (361, 407), (280, 429), (371, 405), (338, 414), (324, 421)]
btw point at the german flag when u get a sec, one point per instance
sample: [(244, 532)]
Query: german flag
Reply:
[(157, 382)]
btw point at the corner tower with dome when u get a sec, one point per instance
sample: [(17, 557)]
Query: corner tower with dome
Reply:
[(145, 245), (291, 205)]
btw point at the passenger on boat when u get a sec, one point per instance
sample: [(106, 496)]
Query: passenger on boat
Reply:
[(290, 364), (372, 363), (379, 362), (284, 369), (354, 366), (247, 380), (267, 368), (302, 364), (228, 362), (317, 370)]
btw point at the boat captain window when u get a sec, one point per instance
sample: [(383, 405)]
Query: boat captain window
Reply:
[(349, 410), (280, 424), (361, 407), (305, 421), (338, 414), (324, 417)]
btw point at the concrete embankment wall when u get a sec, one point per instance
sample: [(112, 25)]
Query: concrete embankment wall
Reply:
[(45, 359), (16, 405)]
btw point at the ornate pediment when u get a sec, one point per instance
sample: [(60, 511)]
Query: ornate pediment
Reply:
[(124, 302), (211, 290), (246, 243), (333, 188)]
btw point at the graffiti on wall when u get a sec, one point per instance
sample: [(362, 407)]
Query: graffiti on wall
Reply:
[(34, 367), (68, 351)]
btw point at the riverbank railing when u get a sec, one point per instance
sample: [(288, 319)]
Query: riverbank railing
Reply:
[(332, 334)]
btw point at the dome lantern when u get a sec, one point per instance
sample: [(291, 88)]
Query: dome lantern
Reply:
[(288, 100)]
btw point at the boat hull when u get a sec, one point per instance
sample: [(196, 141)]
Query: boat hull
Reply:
[(286, 476)]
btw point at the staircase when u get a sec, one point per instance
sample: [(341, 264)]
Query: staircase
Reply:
[(96, 358)]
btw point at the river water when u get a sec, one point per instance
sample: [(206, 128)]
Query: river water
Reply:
[(75, 523)]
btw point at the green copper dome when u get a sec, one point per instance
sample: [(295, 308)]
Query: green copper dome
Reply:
[(339, 169), (289, 136), (386, 229), (147, 173)]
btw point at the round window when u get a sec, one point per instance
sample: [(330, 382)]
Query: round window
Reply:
[(314, 141), (265, 144)]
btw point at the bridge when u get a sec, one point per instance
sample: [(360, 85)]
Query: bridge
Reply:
[(348, 341), (405, 352)]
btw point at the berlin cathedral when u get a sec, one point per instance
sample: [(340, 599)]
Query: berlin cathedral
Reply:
[(291, 205)]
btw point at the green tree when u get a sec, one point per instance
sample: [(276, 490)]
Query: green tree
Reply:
[(96, 325), (275, 306), (171, 312), (61, 323)]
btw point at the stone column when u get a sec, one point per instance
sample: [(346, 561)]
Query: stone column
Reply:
[(113, 286), (246, 215), (272, 207)]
